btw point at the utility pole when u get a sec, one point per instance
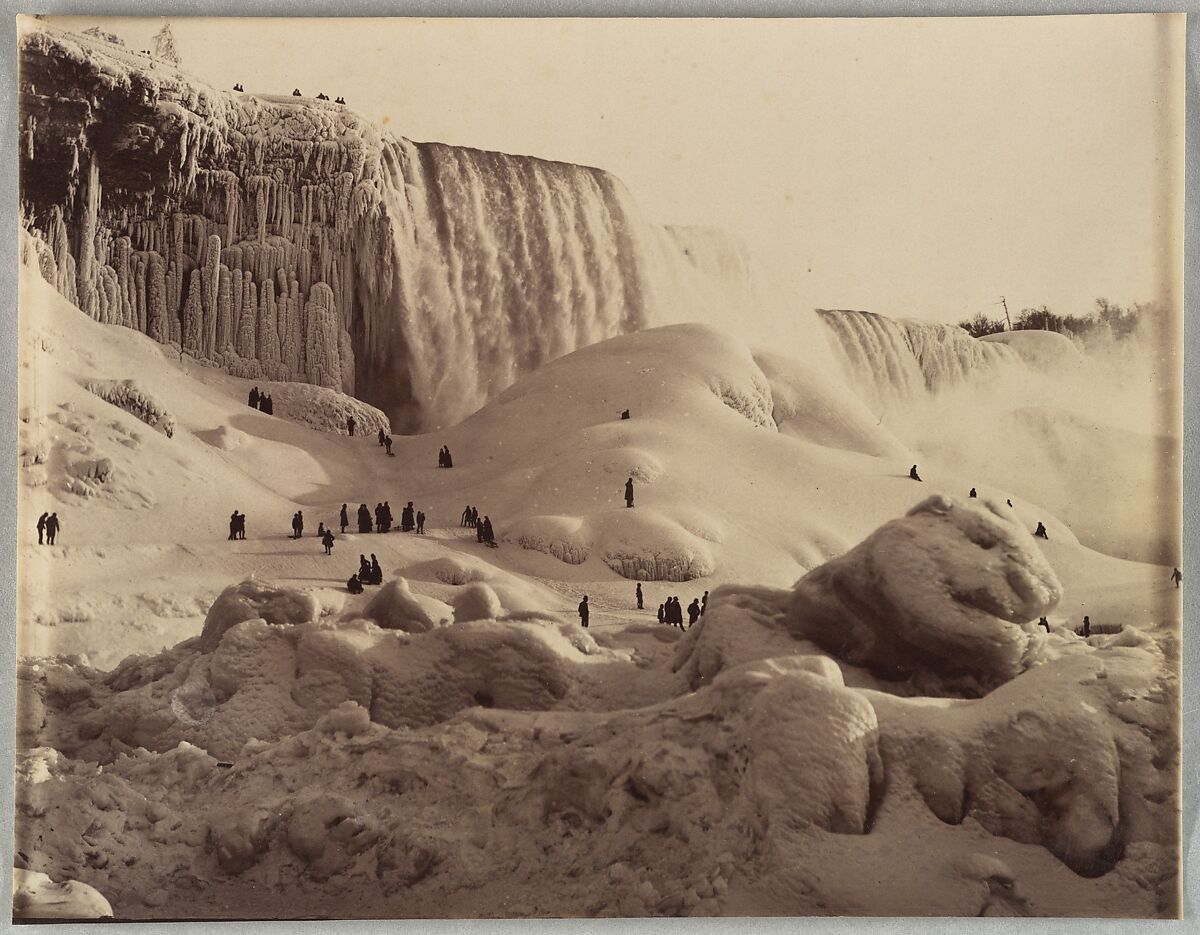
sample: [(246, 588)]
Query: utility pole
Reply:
[(1006, 318)]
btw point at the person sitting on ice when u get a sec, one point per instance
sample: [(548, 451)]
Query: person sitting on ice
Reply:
[(420, 523), (387, 445), (364, 569), (638, 595), (344, 519), (624, 413), (1043, 622), (327, 541), (376, 571), (583, 612), (254, 397), (912, 472), (1040, 532), (353, 585), (972, 493), (350, 423), (662, 613), (693, 612), (381, 437), (1009, 502), (322, 96), (629, 492), (296, 92)]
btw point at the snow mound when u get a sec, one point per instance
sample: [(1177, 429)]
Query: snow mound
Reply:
[(255, 599), (37, 897), (1046, 350), (476, 601), (323, 409), (936, 599), (560, 536), (127, 395), (396, 607), (225, 438)]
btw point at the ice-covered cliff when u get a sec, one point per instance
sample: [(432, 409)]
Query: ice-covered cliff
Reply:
[(287, 238)]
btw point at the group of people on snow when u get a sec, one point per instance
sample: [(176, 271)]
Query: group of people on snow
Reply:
[(47, 527), (237, 525), (261, 401), (368, 573), (385, 441), (444, 459)]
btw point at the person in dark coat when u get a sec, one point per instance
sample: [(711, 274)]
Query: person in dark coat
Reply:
[(1043, 622), (379, 517), (42, 527), (441, 457), (350, 423), (449, 459), (1086, 630), (638, 593), (583, 612), (625, 414), (676, 612), (479, 532), (52, 527), (488, 536), (1176, 575), (267, 404), (662, 613), (387, 445), (912, 472), (704, 604), (1040, 532), (241, 525), (693, 612), (387, 516), (408, 520), (364, 518), (364, 569), (298, 524), (466, 517), (296, 92), (382, 436), (629, 492), (353, 585), (420, 523), (254, 398), (327, 541), (972, 493), (1009, 502), (376, 571), (232, 525), (344, 518), (320, 530), (474, 516)]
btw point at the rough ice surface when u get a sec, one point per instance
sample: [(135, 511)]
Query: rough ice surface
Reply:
[(36, 896), (127, 395)]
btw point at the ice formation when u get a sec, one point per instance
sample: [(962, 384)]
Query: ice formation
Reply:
[(288, 239)]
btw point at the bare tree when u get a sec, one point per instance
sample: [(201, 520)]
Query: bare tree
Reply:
[(164, 45)]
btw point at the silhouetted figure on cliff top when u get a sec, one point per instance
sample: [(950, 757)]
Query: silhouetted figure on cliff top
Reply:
[(638, 593), (350, 423), (1176, 576), (1040, 532), (327, 541), (254, 394), (629, 492), (584, 612), (42, 527), (52, 527), (344, 518), (912, 472)]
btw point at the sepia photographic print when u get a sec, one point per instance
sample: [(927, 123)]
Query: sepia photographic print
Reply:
[(573, 468)]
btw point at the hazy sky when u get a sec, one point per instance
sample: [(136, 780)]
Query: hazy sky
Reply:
[(916, 167)]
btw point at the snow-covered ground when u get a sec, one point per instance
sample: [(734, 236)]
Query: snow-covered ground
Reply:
[(867, 720)]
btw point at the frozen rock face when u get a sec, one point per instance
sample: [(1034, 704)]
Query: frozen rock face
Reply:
[(287, 239)]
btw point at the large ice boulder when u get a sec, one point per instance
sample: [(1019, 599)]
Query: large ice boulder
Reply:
[(36, 896), (254, 599), (396, 607), (942, 591)]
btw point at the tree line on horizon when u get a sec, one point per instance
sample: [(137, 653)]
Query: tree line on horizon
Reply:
[(1106, 317)]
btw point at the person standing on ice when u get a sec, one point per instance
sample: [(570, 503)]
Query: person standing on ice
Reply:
[(241, 525), (381, 437), (583, 612), (1043, 622), (420, 523), (449, 460), (1176, 575), (488, 536), (639, 595), (350, 423), (466, 517), (1086, 630), (474, 516), (327, 541), (972, 493), (344, 518), (320, 530), (912, 472), (387, 445), (254, 398), (408, 521), (662, 613), (1040, 532), (693, 612), (376, 571), (629, 492), (364, 518), (298, 524), (42, 527), (387, 516), (704, 604), (51, 528)]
